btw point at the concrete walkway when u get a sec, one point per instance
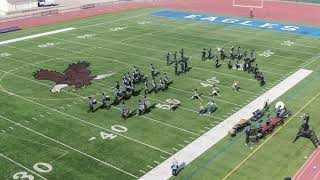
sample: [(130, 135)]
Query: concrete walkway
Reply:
[(213, 136)]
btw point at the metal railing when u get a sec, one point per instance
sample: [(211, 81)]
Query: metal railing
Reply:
[(62, 9)]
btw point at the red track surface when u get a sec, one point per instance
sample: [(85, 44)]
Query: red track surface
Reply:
[(272, 10), (311, 169)]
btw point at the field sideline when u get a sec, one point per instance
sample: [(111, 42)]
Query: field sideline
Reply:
[(56, 131)]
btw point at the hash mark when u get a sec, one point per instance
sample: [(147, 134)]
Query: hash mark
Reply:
[(163, 157), (3, 131), (186, 141), (202, 131), (180, 145), (41, 115), (175, 149), (150, 166), (69, 105), (34, 118), (11, 128), (142, 171), (48, 112), (92, 138), (156, 162)]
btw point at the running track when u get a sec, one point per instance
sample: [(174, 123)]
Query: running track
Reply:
[(272, 10), (311, 169)]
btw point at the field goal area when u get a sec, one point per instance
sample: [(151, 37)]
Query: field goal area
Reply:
[(248, 3)]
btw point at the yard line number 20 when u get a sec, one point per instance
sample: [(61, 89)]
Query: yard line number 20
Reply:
[(39, 167)]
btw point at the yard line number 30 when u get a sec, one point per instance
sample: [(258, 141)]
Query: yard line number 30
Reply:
[(39, 167)]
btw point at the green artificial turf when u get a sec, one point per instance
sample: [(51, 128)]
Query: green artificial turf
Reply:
[(37, 126)]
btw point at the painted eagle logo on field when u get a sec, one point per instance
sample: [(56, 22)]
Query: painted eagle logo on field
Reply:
[(76, 74)]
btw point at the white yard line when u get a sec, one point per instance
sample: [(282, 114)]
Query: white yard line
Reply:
[(32, 141), (69, 147), (145, 117), (153, 34), (181, 107), (219, 100), (36, 35), (20, 165), (160, 122), (230, 28), (58, 157), (206, 141), (133, 54), (76, 118)]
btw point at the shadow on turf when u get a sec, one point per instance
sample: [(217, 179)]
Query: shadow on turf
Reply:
[(132, 114)]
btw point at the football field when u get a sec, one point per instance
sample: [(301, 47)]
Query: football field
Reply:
[(52, 136)]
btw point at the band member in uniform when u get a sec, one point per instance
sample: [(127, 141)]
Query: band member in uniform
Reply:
[(222, 55), (175, 57), (91, 102), (145, 103), (203, 54), (117, 95), (105, 101), (168, 59), (146, 90), (154, 85), (210, 53), (140, 107), (182, 53), (229, 62), (215, 91), (212, 107), (124, 111), (235, 86), (217, 61), (165, 80), (153, 71), (195, 95), (176, 69), (162, 85)]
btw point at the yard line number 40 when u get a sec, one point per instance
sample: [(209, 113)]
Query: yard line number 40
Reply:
[(210, 82), (166, 106), (39, 167)]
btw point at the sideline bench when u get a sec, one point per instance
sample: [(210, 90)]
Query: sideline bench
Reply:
[(9, 29), (49, 12), (87, 6)]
